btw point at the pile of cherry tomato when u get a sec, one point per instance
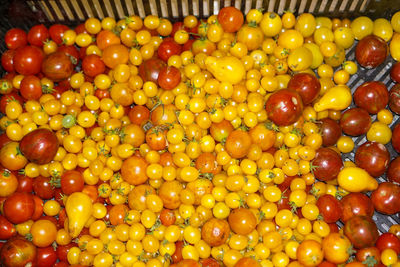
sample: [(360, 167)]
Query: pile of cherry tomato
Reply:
[(217, 142)]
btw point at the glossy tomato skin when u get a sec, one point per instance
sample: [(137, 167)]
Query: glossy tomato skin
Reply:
[(17, 252), (7, 229), (4, 101), (15, 38), (355, 121), (25, 184), (371, 96), (43, 188), (368, 252), (395, 72), (215, 232), (28, 60), (72, 181), (386, 198), (46, 257), (307, 85), (388, 240), (71, 51), (371, 51), (56, 32), (396, 138), (393, 171), (167, 48), (361, 231), (209, 262), (31, 88), (231, 19), (133, 170), (372, 157), (242, 221), (330, 208), (57, 66), (327, 164), (331, 131), (38, 34), (394, 98), (169, 77), (284, 107), (92, 65), (238, 144), (150, 69), (7, 60), (355, 204), (19, 207), (247, 262), (62, 250), (39, 146)]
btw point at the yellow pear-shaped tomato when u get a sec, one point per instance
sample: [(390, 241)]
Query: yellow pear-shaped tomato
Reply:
[(317, 57), (395, 47), (79, 210), (336, 98), (355, 179), (300, 59), (226, 69)]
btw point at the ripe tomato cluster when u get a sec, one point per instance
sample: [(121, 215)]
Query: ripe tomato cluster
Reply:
[(213, 142)]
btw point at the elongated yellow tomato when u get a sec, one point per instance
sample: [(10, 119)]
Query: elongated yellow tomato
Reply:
[(336, 98), (395, 47), (317, 57), (355, 179), (79, 209), (227, 69)]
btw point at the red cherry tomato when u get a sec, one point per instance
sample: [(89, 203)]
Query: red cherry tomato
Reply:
[(15, 38), (38, 34)]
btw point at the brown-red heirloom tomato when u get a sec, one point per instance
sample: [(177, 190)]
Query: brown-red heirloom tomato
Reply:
[(372, 157), (330, 208), (371, 96), (394, 98), (396, 138), (307, 85), (395, 72), (361, 231), (169, 77), (215, 232), (393, 171), (18, 252), (57, 66), (386, 198), (371, 51), (150, 69), (327, 164), (355, 204), (284, 107), (39, 146), (330, 131), (355, 121)]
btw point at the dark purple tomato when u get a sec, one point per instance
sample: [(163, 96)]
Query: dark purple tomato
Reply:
[(372, 157), (307, 85), (354, 204), (331, 131), (330, 208), (327, 164), (284, 107), (361, 231), (386, 198), (355, 121), (393, 171), (371, 96), (394, 98), (371, 51)]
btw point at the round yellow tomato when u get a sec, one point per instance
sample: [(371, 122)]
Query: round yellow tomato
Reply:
[(383, 28), (306, 24), (300, 59), (362, 26), (290, 39)]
